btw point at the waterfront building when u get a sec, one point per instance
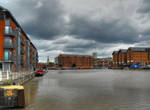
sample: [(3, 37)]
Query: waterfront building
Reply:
[(17, 52), (137, 54), (104, 62), (115, 59), (77, 61), (122, 57), (131, 56)]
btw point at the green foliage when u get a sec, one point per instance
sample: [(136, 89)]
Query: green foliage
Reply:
[(51, 63)]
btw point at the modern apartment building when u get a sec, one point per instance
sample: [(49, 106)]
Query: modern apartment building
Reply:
[(131, 56), (78, 61), (17, 52)]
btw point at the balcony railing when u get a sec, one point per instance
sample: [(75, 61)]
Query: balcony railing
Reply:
[(8, 45), (22, 61), (22, 52), (9, 31), (10, 59), (22, 42)]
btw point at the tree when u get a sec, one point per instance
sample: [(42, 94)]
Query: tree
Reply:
[(51, 63)]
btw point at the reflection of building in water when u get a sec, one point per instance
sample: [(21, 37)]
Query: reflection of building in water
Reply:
[(78, 61), (30, 90)]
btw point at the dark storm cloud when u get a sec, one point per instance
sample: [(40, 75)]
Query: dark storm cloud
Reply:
[(144, 11), (80, 48), (103, 31), (145, 8), (45, 18)]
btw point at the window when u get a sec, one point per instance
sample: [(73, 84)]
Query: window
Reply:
[(6, 55), (8, 42), (7, 23), (8, 29)]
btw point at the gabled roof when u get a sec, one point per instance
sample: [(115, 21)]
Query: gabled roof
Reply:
[(123, 50), (115, 52)]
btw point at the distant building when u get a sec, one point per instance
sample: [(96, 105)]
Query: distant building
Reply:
[(122, 57), (17, 52), (48, 61), (131, 56), (137, 54), (78, 61), (94, 55), (42, 65), (115, 59), (104, 62)]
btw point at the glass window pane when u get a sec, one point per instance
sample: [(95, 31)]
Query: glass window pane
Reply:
[(6, 55), (6, 29), (8, 42)]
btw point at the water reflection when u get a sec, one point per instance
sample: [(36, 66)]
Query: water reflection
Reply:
[(89, 90)]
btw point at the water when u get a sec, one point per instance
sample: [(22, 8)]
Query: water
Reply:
[(89, 90)]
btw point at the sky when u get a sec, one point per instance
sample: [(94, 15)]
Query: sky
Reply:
[(82, 26)]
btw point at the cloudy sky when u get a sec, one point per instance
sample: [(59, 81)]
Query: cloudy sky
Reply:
[(82, 26)]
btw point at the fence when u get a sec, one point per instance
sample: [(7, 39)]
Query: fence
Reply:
[(15, 77)]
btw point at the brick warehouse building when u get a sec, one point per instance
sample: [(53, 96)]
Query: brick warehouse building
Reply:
[(135, 54), (131, 56), (122, 57), (78, 61), (115, 59), (17, 53)]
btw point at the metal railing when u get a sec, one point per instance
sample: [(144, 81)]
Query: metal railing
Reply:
[(15, 76)]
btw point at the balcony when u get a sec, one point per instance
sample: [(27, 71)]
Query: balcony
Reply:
[(9, 31), (8, 44), (22, 52), (22, 60), (9, 59), (22, 42)]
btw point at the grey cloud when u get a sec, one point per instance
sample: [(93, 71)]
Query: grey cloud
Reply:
[(145, 8), (103, 31), (79, 47), (43, 22)]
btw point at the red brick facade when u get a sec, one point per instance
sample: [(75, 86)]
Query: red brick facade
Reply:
[(131, 56), (78, 61)]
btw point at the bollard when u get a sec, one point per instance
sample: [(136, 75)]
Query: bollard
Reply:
[(12, 96)]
